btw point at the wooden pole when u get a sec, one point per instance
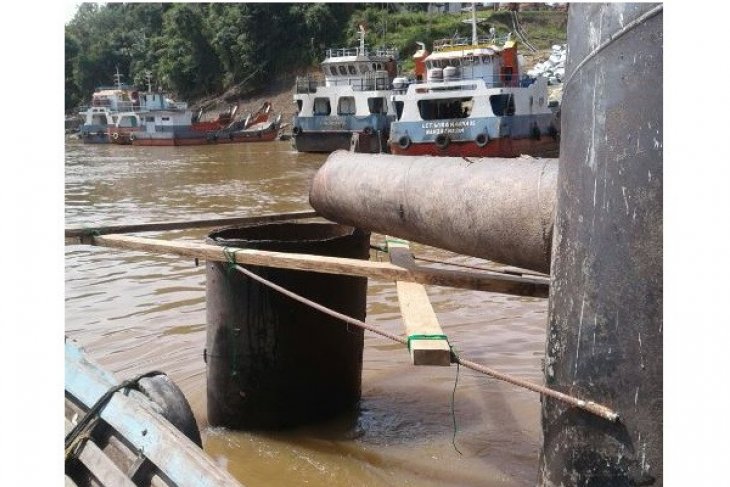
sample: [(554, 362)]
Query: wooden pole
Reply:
[(82, 232), (419, 318), (482, 281)]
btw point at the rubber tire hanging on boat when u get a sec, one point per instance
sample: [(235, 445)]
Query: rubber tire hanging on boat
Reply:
[(481, 139), (115, 135), (442, 141), (553, 132), (404, 142), (535, 132), (172, 404), (132, 137), (296, 130)]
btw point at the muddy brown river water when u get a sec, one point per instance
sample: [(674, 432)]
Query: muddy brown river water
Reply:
[(135, 312)]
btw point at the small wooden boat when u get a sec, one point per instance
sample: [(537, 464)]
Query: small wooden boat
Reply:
[(117, 433)]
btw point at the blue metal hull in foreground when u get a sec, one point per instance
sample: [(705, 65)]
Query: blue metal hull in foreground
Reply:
[(151, 438)]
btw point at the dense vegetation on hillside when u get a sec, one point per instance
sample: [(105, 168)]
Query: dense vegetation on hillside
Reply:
[(198, 49)]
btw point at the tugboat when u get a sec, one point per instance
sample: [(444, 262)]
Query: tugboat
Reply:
[(106, 103), (170, 125), (473, 103), (353, 100)]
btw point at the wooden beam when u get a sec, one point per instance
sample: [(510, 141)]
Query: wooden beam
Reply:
[(482, 281), (418, 315), (82, 232)]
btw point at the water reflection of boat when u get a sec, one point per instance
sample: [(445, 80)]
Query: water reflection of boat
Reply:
[(138, 432), (473, 103)]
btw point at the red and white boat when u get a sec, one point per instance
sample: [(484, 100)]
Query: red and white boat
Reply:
[(473, 102), (171, 125)]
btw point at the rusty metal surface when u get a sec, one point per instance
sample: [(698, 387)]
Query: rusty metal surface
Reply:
[(605, 314), (498, 209)]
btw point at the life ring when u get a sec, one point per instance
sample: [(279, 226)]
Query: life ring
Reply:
[(442, 141), (482, 139), (404, 142), (296, 130), (115, 136), (368, 131)]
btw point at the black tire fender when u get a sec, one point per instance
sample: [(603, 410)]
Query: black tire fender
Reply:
[(442, 141), (404, 142), (172, 405), (482, 139)]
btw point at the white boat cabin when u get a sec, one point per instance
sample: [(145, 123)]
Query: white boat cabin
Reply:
[(357, 82)]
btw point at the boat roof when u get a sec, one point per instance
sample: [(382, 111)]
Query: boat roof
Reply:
[(465, 51), (109, 92)]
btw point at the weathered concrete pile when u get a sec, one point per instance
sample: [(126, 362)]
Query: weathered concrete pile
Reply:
[(554, 68)]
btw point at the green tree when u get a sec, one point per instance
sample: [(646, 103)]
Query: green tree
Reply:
[(188, 64)]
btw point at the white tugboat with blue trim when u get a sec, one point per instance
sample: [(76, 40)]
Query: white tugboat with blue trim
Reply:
[(353, 100)]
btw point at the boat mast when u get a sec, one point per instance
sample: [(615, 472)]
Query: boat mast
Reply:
[(362, 40), (148, 77), (474, 39), (118, 79)]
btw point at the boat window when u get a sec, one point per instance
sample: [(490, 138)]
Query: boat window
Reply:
[(342, 70), (502, 105), (322, 106), (98, 119), (399, 109), (364, 68), (346, 106), (379, 66), (486, 59), (299, 106), (445, 108), (351, 69), (165, 119), (149, 119), (377, 105), (333, 70), (374, 67), (128, 122)]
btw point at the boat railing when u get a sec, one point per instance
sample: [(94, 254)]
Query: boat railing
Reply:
[(355, 51), (466, 42), (310, 85), (489, 81), (130, 106)]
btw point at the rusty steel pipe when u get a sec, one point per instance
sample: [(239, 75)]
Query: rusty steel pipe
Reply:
[(498, 209)]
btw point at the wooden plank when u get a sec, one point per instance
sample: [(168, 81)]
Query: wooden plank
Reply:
[(418, 315), (106, 471), (482, 281), (80, 232), (171, 451)]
